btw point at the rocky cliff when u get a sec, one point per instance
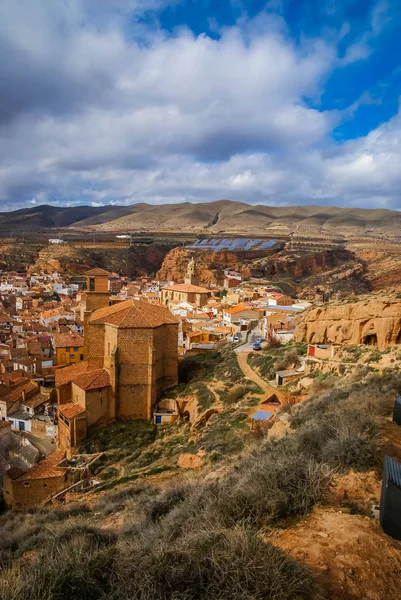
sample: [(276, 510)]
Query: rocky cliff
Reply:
[(297, 273), (372, 321), (133, 261), (382, 269), (209, 265)]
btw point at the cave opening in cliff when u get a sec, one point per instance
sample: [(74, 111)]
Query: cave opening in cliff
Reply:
[(370, 340)]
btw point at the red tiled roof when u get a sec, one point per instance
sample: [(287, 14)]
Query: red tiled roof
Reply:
[(133, 313), (71, 410), (67, 374), (67, 340), (99, 378), (47, 468), (188, 288), (16, 393), (97, 271), (239, 308)]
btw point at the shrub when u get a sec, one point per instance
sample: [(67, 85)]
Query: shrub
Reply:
[(116, 501), (272, 487), (289, 359), (209, 563), (160, 505), (272, 342), (236, 393), (79, 567)]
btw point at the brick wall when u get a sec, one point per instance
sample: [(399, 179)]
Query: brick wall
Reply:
[(95, 342), (24, 495)]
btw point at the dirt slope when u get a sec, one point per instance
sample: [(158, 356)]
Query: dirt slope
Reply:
[(350, 555)]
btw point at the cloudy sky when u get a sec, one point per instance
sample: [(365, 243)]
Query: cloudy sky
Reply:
[(121, 101)]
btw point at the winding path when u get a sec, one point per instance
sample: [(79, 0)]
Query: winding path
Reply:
[(251, 374)]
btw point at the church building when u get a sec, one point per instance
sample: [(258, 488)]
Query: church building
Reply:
[(189, 291), (131, 352)]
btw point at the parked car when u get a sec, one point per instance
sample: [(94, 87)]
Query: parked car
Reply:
[(257, 346), (236, 338)]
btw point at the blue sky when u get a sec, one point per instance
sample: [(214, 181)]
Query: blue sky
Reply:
[(120, 101)]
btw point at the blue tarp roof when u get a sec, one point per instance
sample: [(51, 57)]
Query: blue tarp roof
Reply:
[(262, 415)]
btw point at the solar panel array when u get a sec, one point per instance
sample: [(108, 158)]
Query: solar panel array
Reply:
[(231, 244)]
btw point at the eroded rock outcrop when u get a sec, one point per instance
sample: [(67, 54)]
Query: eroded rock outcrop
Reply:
[(372, 321), (132, 261)]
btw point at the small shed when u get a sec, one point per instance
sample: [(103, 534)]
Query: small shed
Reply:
[(283, 377), (390, 500), (162, 416), (397, 411), (259, 419)]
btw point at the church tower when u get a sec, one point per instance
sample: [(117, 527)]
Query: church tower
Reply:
[(97, 289), (97, 296), (190, 275)]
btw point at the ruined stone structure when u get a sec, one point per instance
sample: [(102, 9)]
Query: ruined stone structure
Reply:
[(374, 321), (131, 358)]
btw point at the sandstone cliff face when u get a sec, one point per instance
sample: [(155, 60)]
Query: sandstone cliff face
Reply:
[(301, 265), (133, 262), (382, 269), (375, 321), (16, 256), (209, 266), (300, 273)]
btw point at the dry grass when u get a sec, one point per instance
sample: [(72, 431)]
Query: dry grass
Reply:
[(201, 539)]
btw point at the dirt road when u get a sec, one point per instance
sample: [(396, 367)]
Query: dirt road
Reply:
[(252, 375)]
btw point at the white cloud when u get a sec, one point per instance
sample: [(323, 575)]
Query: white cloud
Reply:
[(88, 113)]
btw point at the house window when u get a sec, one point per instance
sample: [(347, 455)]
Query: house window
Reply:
[(45, 485), (76, 349), (26, 484), (81, 357), (72, 355), (92, 284)]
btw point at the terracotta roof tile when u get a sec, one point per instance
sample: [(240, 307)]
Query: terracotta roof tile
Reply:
[(67, 340), (71, 410), (16, 393), (67, 374), (36, 401), (239, 308), (132, 313), (47, 468), (97, 271), (188, 288), (99, 378)]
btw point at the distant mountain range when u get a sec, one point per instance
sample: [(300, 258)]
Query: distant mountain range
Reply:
[(220, 217)]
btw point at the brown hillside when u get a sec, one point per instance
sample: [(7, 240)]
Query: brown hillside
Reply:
[(230, 217)]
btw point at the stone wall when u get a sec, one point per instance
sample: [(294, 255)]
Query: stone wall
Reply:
[(134, 368), (25, 495)]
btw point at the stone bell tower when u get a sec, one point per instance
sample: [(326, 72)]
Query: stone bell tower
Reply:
[(97, 289), (97, 296), (190, 275)]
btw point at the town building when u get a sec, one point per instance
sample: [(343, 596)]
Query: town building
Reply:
[(190, 291), (68, 348), (131, 359)]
